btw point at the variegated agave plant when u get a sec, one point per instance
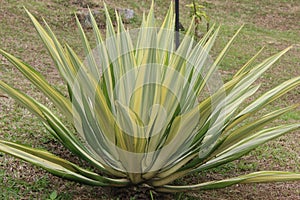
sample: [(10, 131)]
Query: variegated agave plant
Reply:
[(145, 112)]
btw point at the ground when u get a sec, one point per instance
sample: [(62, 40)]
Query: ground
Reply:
[(274, 24)]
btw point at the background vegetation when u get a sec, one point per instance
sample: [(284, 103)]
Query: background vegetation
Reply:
[(274, 24)]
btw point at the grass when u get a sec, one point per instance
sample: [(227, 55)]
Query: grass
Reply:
[(273, 25)]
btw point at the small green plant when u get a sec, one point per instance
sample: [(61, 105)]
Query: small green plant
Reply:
[(198, 12), (145, 112), (53, 196)]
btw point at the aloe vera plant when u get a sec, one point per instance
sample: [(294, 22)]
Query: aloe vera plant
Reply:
[(147, 113)]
